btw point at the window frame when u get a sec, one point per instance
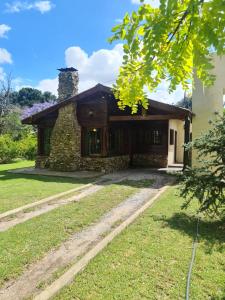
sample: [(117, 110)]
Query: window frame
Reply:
[(42, 141), (153, 143), (172, 137), (84, 150)]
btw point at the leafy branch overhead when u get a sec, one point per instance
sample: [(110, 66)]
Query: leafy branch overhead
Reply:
[(165, 43)]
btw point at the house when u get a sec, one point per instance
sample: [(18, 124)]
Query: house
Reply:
[(87, 131), (207, 101)]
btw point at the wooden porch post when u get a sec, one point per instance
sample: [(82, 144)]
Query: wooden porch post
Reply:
[(105, 141), (187, 160)]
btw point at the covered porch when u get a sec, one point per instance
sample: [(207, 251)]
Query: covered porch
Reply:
[(135, 141)]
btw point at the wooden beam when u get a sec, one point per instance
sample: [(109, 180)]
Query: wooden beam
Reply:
[(145, 118)]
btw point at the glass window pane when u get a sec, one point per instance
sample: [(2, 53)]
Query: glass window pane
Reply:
[(93, 141), (47, 138), (156, 137)]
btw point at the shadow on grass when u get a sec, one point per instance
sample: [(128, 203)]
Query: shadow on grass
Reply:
[(4, 175), (211, 233), (142, 183)]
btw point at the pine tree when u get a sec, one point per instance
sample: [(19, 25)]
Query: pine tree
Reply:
[(206, 182)]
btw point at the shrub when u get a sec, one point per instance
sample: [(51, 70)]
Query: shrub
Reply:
[(27, 147), (206, 182), (8, 149)]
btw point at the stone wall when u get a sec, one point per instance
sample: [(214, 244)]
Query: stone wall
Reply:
[(66, 140), (150, 160), (42, 162), (105, 164)]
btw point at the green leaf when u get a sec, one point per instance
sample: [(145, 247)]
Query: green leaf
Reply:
[(141, 31), (166, 43)]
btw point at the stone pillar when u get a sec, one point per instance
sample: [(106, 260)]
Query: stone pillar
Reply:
[(207, 101), (65, 152), (68, 83)]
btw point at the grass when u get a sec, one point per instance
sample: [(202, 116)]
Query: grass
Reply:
[(150, 259), (28, 242), (17, 190)]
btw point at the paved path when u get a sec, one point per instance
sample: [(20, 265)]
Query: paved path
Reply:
[(27, 284)]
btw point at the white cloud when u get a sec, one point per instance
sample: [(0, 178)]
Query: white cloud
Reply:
[(5, 56), (3, 30), (162, 94), (18, 83), (154, 3), (50, 85), (43, 6), (102, 67), (17, 6), (76, 57)]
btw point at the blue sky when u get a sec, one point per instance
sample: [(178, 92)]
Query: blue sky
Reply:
[(37, 37)]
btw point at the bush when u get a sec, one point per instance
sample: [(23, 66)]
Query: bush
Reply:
[(27, 147), (206, 182), (8, 149)]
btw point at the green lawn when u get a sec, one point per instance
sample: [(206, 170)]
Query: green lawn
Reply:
[(17, 190), (28, 242), (150, 259)]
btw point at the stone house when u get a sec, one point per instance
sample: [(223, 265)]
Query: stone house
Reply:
[(87, 131)]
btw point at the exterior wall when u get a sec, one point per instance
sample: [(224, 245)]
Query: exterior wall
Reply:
[(150, 160), (105, 164), (207, 101), (176, 125), (42, 162), (66, 141)]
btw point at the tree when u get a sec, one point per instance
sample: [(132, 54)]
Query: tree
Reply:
[(28, 96), (5, 92), (206, 182), (48, 97), (5, 104), (186, 102), (37, 107), (11, 125), (165, 43)]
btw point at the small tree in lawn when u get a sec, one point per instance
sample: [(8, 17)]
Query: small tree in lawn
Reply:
[(206, 182), (5, 91)]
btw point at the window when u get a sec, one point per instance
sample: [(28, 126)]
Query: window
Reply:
[(147, 140), (156, 137), (92, 141), (116, 140), (171, 137), (45, 141)]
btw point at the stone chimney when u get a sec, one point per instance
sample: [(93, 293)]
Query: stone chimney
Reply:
[(68, 83)]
